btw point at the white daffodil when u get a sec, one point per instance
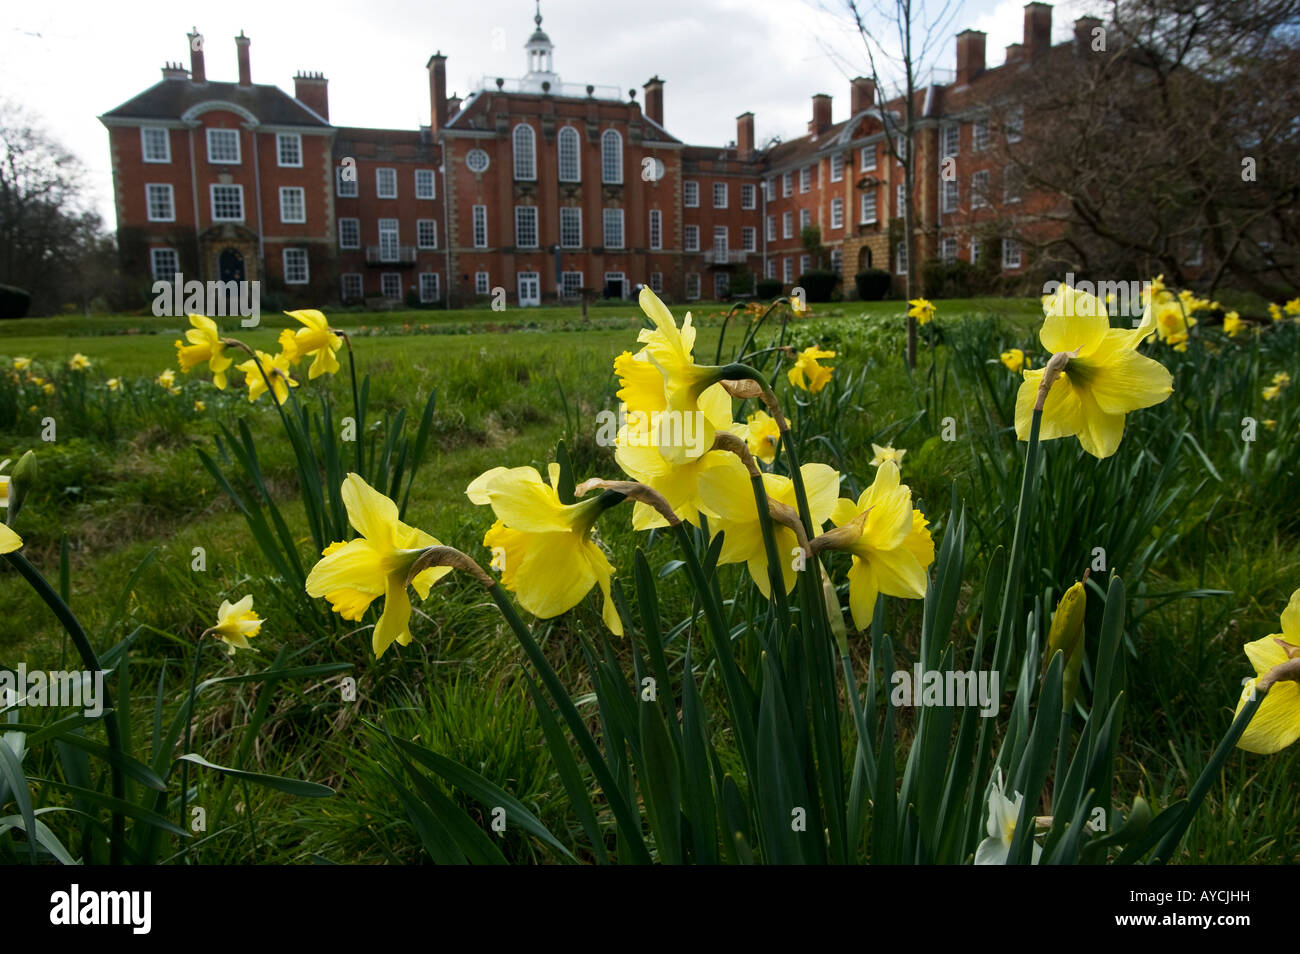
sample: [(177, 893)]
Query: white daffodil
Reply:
[(1003, 814)]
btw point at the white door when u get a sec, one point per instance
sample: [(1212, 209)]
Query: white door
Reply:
[(530, 288)]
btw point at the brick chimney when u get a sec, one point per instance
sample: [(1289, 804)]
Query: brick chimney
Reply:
[(862, 95), (437, 67), (970, 55), (1038, 28), (197, 72), (175, 71), (245, 69), (654, 99), (1083, 28), (453, 105), (312, 90), (745, 136), (821, 117), (1015, 52)]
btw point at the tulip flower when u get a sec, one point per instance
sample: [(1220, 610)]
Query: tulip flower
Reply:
[(890, 542), (353, 574), (807, 374), (205, 344), (1277, 722), (1003, 815), (236, 624), (727, 491), (316, 340), (1103, 381), (543, 547)]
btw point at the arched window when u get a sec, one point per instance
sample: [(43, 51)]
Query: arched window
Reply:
[(570, 166), (525, 152), (611, 157)]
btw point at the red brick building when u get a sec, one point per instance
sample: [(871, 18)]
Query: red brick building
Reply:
[(544, 188)]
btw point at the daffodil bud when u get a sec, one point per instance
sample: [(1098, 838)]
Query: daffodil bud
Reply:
[(21, 481), (1066, 635), (1139, 818)]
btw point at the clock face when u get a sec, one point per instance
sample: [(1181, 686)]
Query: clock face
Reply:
[(477, 160)]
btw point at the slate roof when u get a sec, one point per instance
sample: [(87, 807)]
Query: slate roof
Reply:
[(170, 99)]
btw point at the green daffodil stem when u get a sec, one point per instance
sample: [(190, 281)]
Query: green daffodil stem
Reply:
[(1208, 775), (189, 725), (1024, 515), (91, 662)]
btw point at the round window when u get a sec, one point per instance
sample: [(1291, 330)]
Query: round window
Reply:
[(477, 160)]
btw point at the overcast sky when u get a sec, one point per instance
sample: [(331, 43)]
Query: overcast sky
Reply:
[(67, 63)]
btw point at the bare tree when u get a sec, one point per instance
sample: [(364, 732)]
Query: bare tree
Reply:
[(901, 39)]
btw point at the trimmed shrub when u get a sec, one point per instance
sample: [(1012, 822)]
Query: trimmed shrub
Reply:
[(14, 302), (768, 287), (873, 284), (819, 284)]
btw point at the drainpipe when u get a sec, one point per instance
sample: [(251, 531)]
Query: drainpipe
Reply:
[(257, 188), (194, 189), (446, 229)]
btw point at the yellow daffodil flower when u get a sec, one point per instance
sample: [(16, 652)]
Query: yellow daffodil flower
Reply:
[(799, 306), (316, 340), (1004, 813), (9, 541), (1014, 360), (236, 624), (204, 345), (1066, 635), (1232, 324), (22, 364), (763, 436), (1277, 723), (727, 491), (1269, 424), (1280, 381), (895, 547), (166, 379), (79, 362), (543, 547), (922, 310), (883, 454), (639, 452), (1274, 312), (1105, 379), (353, 574), (200, 406), (114, 384), (276, 369), (807, 374), (48, 387)]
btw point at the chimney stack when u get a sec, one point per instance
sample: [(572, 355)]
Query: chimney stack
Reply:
[(437, 67), (197, 72), (312, 90), (745, 136), (1015, 52), (862, 95), (245, 69), (821, 117), (1038, 28), (970, 55), (175, 71), (453, 105), (654, 99), (1083, 28)]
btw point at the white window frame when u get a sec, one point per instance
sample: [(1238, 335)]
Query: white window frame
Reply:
[(771, 228), (949, 140), (384, 279), (570, 220), (611, 157), (287, 193), (900, 258), (482, 283), (480, 226), (523, 214), (280, 140), (787, 270), (837, 167), (169, 192), (212, 202), (805, 180), (769, 268), (974, 250), (612, 218), (691, 238), (900, 199), (569, 288), (805, 263), (356, 226), (238, 147), (787, 186), (721, 285), (1010, 185), (379, 182), (951, 195), (805, 220), (656, 230), (946, 256), (306, 268), (340, 182), (837, 213), (868, 199), (433, 278), (523, 143), (153, 264), (166, 143), (867, 161), (692, 288), (748, 196), (787, 224), (343, 286), (749, 238), (1010, 260), (657, 282), (421, 224), (720, 191), (979, 189), (394, 228), (619, 277), (691, 194), (569, 149), (429, 176), (979, 133), (721, 244), (1013, 125)]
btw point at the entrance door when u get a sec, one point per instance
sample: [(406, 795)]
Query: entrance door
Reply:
[(230, 265), (530, 288), (615, 285)]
